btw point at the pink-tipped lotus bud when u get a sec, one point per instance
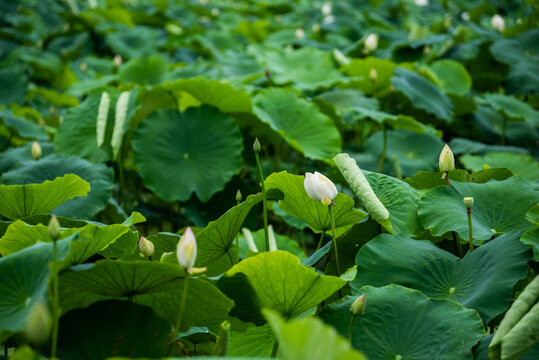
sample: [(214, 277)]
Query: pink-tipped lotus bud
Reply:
[(358, 306)]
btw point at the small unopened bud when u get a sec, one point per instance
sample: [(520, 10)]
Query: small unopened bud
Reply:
[(238, 196), (117, 60), (38, 324), (54, 228), (300, 34), (315, 27), (498, 23), (36, 150), (446, 161), (256, 145), (468, 202), (187, 249), (215, 11), (371, 42), (146, 247), (83, 67), (421, 3), (373, 75), (358, 306), (221, 346)]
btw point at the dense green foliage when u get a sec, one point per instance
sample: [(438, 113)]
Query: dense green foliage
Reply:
[(130, 118)]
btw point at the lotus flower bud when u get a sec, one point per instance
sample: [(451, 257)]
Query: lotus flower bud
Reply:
[(446, 161), (256, 145), (468, 202), (300, 34), (36, 150), (371, 42), (221, 346), (421, 3), (320, 188), (326, 9), (117, 60), (358, 306), (238, 196), (187, 249), (146, 247), (54, 228), (39, 323), (373, 75), (497, 23)]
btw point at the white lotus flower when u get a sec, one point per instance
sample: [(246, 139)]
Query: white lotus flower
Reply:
[(187, 249), (421, 2), (326, 9), (371, 42), (320, 188), (447, 160), (497, 23)]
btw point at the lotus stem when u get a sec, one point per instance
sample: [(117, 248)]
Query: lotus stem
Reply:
[(180, 314), (351, 328), (264, 198), (321, 240), (275, 348), (469, 212), (457, 242), (55, 301), (333, 234)]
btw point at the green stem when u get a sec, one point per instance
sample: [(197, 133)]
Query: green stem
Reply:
[(469, 211), (350, 328), (238, 242), (275, 348), (335, 244), (302, 239), (180, 314), (457, 242), (320, 241), (384, 150), (55, 301), (264, 199)]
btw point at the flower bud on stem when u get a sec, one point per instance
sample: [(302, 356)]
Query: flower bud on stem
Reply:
[(256, 148), (468, 201), (238, 201), (54, 233), (335, 243)]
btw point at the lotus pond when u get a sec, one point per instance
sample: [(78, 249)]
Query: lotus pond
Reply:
[(257, 179)]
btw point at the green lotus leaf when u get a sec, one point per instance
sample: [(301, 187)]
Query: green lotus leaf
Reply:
[(395, 121), (86, 86), (16, 155), (511, 107), (25, 128), (422, 93), (115, 326), (361, 68), (481, 350), (213, 92), (349, 100), (466, 146), (499, 207), (255, 341), (99, 177), (24, 277), (451, 76), (401, 200), (198, 151), (429, 179), (148, 70), (17, 201), (483, 280), (299, 122), (521, 53), (307, 68), (531, 238), (523, 165), (311, 339), (297, 203), (279, 282), (519, 329), (413, 151), (54, 97), (14, 85), (153, 284), (401, 323), (133, 42), (282, 242)]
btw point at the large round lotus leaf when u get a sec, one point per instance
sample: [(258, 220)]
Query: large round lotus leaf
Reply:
[(177, 154), (414, 152), (310, 338), (282, 242), (154, 284), (99, 176), (116, 327), (347, 100), (297, 203), (25, 128), (531, 238), (511, 107), (401, 323), (255, 341), (523, 165), (144, 70), (401, 200), (499, 207), (483, 280), (212, 92), (299, 122), (466, 146), (133, 42), (521, 53), (452, 76), (361, 68), (308, 68), (24, 278), (279, 282), (422, 93), (16, 155)]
